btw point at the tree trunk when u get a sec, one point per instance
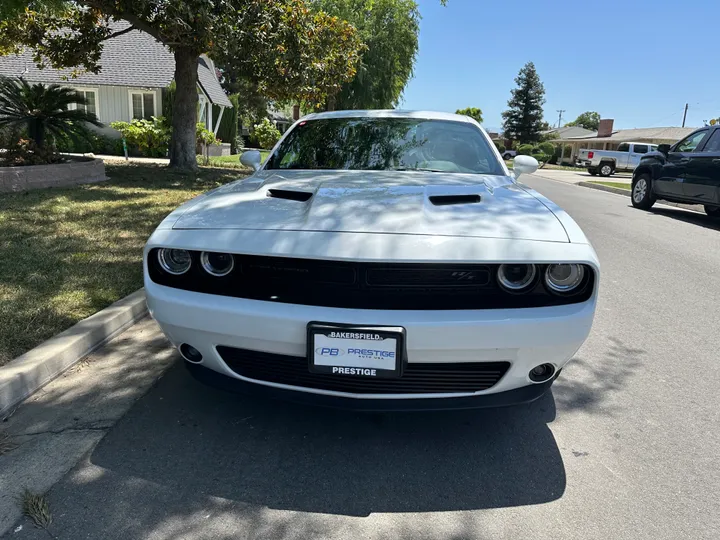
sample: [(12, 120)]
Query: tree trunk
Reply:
[(184, 118)]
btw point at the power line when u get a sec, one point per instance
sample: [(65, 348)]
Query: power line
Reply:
[(560, 113)]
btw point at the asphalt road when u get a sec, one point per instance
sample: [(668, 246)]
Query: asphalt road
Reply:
[(625, 446)]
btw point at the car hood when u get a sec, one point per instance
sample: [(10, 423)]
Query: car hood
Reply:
[(382, 202)]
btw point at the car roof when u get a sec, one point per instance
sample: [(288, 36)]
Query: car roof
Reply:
[(389, 113)]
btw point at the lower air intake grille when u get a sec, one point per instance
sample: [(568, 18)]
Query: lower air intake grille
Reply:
[(433, 378)]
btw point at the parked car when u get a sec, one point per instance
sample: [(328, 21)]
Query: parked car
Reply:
[(607, 162), (509, 154), (687, 172), (376, 260)]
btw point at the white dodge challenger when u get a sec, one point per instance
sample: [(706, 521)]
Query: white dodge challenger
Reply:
[(377, 260)]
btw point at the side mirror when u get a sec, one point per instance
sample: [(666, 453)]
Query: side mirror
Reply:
[(252, 159), (524, 165), (663, 148)]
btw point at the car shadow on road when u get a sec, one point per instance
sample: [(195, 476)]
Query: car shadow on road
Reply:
[(688, 216), (196, 439)]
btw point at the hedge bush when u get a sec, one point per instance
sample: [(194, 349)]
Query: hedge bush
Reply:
[(525, 149), (266, 134)]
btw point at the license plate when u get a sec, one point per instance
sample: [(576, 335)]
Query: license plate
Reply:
[(356, 351)]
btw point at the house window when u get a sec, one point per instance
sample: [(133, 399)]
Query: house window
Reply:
[(90, 98), (142, 105)]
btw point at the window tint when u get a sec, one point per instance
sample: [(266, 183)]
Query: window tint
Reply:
[(640, 148), (624, 147), (690, 143), (713, 144), (386, 144)]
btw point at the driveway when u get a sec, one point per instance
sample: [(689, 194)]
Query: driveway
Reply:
[(624, 446)]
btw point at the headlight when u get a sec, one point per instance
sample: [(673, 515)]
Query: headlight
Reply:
[(564, 278), (516, 277), (217, 264), (174, 261)]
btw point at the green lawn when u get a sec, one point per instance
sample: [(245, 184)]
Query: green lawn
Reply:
[(620, 185), (67, 253), (232, 161)]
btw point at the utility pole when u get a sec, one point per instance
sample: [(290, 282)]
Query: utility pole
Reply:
[(560, 111), (685, 114)]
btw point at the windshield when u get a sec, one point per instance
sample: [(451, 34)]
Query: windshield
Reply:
[(383, 144)]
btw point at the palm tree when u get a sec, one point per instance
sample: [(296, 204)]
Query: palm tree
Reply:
[(43, 109)]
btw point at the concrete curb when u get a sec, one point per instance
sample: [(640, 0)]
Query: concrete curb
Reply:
[(28, 373), (692, 207), (609, 189)]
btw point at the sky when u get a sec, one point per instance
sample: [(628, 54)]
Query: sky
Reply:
[(635, 62)]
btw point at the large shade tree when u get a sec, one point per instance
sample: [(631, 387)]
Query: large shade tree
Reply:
[(289, 49), (389, 32), (472, 112), (588, 120), (523, 121)]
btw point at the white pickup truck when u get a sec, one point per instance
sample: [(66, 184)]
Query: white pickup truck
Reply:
[(607, 162)]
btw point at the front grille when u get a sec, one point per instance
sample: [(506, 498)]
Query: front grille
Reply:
[(433, 378), (360, 285)]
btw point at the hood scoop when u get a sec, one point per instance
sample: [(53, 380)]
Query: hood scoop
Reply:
[(446, 200), (290, 195)]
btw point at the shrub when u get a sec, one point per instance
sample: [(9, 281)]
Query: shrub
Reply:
[(44, 112), (568, 152), (151, 137), (525, 149), (546, 148), (20, 152), (266, 134), (95, 143), (500, 147), (204, 135)]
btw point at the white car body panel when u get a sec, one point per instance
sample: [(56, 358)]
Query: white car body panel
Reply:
[(378, 216)]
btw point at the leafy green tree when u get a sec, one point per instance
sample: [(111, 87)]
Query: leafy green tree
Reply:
[(472, 112), (523, 121), (588, 120), (389, 31), (43, 110), (290, 50)]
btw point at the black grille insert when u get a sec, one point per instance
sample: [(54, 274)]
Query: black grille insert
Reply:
[(435, 378), (359, 285)]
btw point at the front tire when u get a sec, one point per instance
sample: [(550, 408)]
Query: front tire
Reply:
[(712, 211), (507, 157), (641, 192), (606, 169), (593, 172)]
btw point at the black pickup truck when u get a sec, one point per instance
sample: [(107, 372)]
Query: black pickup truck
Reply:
[(686, 172)]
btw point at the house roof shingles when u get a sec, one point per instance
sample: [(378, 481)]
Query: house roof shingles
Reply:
[(669, 134), (135, 59)]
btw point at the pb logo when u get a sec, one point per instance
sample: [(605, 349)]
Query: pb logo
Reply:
[(329, 351)]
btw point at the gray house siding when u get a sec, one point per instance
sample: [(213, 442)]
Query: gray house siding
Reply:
[(113, 105)]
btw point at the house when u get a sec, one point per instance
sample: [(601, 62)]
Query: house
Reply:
[(608, 138), (570, 132), (135, 69)]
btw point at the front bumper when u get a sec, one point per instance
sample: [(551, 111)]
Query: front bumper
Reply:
[(517, 396), (525, 338)]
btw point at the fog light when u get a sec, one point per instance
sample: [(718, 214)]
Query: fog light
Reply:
[(190, 353), (542, 373), (516, 277)]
